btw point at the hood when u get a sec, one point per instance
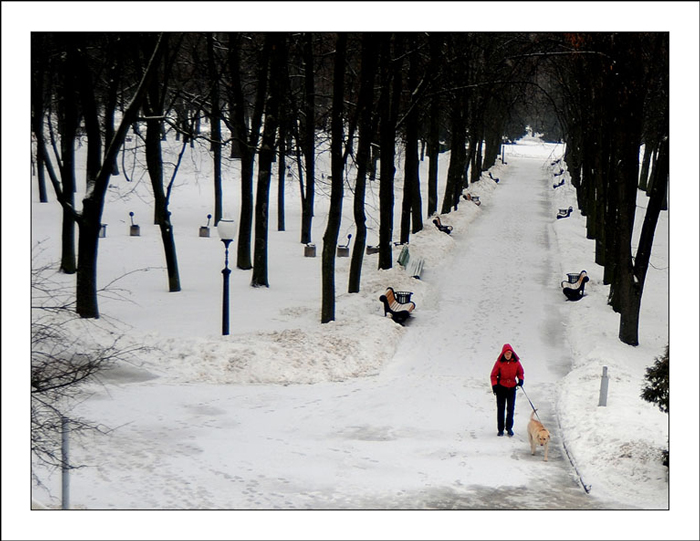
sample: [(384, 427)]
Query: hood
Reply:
[(507, 347)]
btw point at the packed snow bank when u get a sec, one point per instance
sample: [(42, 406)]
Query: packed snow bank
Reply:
[(617, 448), (277, 342)]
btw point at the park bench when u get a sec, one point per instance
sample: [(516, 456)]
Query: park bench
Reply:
[(413, 265), (573, 287), (473, 198), (444, 228), (564, 213), (398, 304)]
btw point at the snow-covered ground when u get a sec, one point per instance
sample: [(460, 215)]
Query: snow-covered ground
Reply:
[(286, 413), (360, 413)]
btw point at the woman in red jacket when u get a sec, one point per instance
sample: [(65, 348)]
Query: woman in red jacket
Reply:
[(506, 375)]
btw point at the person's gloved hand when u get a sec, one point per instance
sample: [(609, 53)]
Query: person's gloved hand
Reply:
[(520, 383), (494, 388)]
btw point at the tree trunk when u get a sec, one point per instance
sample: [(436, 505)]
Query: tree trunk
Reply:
[(433, 155), (154, 164), (215, 128), (86, 286), (115, 62), (267, 155), (38, 107), (411, 208), (628, 126), (68, 125), (93, 203), (249, 140), (492, 136), (366, 133), (41, 178), (330, 238), (388, 111), (629, 316), (281, 175), (458, 155), (476, 165), (307, 211)]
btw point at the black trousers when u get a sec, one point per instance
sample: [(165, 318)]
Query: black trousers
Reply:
[(505, 402)]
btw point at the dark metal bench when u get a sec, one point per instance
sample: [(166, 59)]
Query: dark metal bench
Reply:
[(574, 286), (473, 198), (564, 213), (398, 304), (444, 228)]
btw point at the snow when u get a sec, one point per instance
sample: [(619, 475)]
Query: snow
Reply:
[(286, 413), (361, 413)]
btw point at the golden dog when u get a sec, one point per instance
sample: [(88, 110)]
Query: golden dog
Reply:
[(538, 435)]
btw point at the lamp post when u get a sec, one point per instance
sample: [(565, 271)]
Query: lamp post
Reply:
[(226, 228)]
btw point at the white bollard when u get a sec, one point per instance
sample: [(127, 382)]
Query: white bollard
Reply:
[(603, 398)]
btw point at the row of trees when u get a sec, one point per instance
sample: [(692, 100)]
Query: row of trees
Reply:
[(615, 100), (273, 93)]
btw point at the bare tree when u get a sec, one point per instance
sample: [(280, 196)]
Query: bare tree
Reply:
[(330, 238), (309, 136), (247, 137), (391, 60), (99, 171), (367, 127), (64, 358), (155, 110), (277, 46), (412, 206)]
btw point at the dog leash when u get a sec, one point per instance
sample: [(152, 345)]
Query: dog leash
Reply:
[(531, 404)]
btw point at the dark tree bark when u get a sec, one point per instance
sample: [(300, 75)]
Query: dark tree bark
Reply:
[(39, 106), (309, 140), (93, 203), (477, 143), (366, 134), (411, 207), (153, 107), (115, 52), (215, 127), (281, 175), (629, 317), (435, 42), (249, 139), (433, 154), (68, 126), (284, 137), (154, 164), (267, 155), (330, 237), (458, 156), (388, 110)]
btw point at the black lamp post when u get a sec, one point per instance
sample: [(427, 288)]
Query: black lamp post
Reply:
[(226, 228)]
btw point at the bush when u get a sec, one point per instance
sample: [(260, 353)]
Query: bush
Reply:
[(656, 390)]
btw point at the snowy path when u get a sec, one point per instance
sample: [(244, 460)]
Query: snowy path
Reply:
[(354, 444)]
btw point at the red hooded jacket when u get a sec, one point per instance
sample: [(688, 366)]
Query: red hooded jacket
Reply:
[(504, 372)]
